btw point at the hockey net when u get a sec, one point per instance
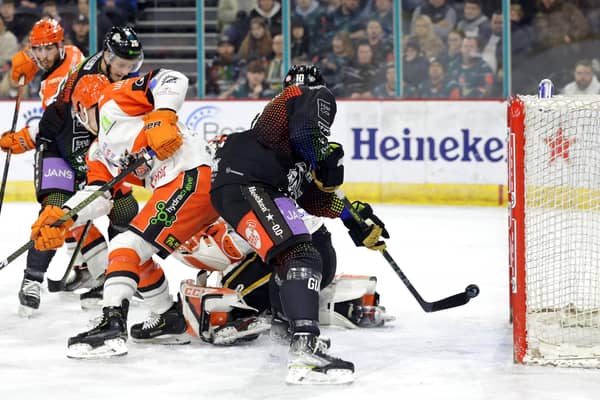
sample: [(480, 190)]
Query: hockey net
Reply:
[(554, 233)]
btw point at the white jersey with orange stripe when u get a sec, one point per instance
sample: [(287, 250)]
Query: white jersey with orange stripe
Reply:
[(122, 107)]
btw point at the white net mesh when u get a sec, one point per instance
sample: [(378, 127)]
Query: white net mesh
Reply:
[(562, 229)]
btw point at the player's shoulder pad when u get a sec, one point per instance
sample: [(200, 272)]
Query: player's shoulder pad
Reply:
[(169, 88)]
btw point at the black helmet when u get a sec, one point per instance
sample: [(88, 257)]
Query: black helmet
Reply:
[(122, 41), (303, 75)]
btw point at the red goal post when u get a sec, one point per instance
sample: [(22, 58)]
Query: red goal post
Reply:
[(554, 229)]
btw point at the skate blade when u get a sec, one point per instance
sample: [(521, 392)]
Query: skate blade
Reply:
[(168, 340), (229, 336), (25, 312), (305, 375), (91, 304), (110, 348)]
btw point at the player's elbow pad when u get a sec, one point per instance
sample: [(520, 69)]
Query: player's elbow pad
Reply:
[(329, 174), (169, 89)]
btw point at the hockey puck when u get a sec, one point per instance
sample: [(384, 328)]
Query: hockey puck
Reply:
[(472, 290)]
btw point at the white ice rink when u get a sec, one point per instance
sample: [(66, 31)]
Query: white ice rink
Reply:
[(464, 353)]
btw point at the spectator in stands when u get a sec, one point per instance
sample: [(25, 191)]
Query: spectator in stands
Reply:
[(316, 23), (387, 89), (103, 23), (275, 71), (585, 81), (300, 41), (348, 18), (270, 11), (223, 70), (383, 11), (492, 49), (558, 23), (380, 44), (452, 55), (430, 43), (253, 86), (414, 65), (120, 12), (80, 33), (228, 12), (258, 42), (360, 77), (50, 9), (474, 76), (438, 86), (8, 11), (333, 62), (8, 44), (474, 22), (441, 14)]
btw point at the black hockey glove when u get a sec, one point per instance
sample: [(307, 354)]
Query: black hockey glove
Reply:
[(329, 174), (370, 235)]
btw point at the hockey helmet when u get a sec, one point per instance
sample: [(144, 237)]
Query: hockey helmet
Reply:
[(88, 89), (123, 42), (46, 31), (303, 75)]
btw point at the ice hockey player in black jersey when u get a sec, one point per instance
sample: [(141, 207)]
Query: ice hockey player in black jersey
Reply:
[(260, 179)]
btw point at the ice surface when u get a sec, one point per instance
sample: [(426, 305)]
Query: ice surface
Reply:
[(464, 353)]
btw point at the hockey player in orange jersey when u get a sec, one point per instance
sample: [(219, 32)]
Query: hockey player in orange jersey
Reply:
[(47, 53), (130, 116), (61, 144)]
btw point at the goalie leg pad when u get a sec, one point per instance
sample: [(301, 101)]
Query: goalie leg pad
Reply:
[(207, 311), (351, 301)]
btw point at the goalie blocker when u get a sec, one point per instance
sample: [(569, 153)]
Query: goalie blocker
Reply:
[(349, 301)]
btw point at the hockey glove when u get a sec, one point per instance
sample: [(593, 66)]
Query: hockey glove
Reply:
[(368, 236), (49, 237), (18, 142), (329, 174), (22, 64), (162, 133)]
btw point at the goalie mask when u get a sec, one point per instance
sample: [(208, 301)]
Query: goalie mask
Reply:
[(308, 75)]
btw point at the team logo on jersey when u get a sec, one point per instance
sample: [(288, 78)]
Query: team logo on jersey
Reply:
[(162, 217), (296, 178), (251, 234), (80, 143)]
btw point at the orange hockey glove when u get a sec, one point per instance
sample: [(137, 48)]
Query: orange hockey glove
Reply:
[(19, 141), (49, 237), (22, 64), (162, 133)]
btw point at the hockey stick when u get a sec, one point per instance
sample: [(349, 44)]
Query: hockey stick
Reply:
[(12, 129), (57, 286), (139, 161), (456, 300)]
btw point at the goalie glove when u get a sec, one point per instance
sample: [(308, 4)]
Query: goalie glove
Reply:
[(18, 142), (162, 132), (45, 236), (369, 235), (329, 174)]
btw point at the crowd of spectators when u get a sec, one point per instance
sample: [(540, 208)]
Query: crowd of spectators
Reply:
[(449, 48)]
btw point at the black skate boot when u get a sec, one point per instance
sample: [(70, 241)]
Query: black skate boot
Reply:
[(92, 298), (310, 364), (107, 339), (166, 328), (29, 296)]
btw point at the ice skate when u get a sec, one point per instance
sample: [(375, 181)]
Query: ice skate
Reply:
[(310, 364), (107, 339), (166, 328), (29, 297), (92, 298)]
